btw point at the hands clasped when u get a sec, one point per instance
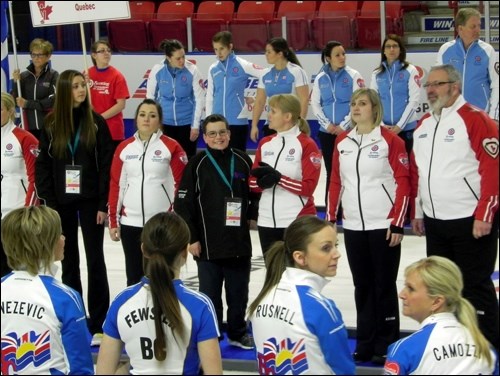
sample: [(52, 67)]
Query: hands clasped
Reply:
[(266, 175)]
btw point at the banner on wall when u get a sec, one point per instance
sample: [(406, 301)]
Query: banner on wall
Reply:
[(50, 13)]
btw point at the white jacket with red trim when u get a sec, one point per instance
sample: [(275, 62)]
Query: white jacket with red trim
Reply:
[(19, 152), (144, 179), (455, 164), (297, 157), (370, 174)]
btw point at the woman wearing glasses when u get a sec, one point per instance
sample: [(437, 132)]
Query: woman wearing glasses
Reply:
[(398, 84), (215, 201), (38, 86), (108, 90), (145, 173)]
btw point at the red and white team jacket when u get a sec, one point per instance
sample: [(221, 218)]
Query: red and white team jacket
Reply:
[(454, 164), (370, 174), (297, 157), (144, 179), (19, 152)]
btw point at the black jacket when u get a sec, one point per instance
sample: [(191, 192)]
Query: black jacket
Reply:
[(39, 94), (200, 200), (50, 172)]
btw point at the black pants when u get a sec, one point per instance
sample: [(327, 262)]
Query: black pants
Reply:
[(131, 243), (85, 212), (327, 142), (181, 134), (234, 273), (374, 266), (269, 235), (407, 137), (239, 137), (476, 259)]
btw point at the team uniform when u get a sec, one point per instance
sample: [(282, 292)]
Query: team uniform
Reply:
[(370, 174), (442, 346), (399, 91), (39, 93), (479, 68), (331, 104), (226, 84), (44, 328), (106, 86), (299, 331), (181, 95), (455, 181), (130, 319), (19, 152)]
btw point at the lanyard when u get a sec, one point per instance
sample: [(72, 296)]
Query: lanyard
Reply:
[(217, 167), (72, 149)]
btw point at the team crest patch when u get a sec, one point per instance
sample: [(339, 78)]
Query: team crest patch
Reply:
[(490, 146), (34, 150), (184, 158), (391, 368), (403, 159), (316, 159)]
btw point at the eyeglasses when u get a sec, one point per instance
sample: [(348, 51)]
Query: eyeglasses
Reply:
[(389, 46), (213, 134), (34, 56), (437, 84), (104, 51)]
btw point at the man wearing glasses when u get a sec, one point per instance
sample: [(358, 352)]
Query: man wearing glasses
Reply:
[(215, 200), (38, 86), (454, 176)]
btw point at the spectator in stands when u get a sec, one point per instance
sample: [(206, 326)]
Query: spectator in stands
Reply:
[(372, 160), (141, 187), (38, 86), (331, 99), (20, 149), (398, 85), (477, 62), (286, 170), (178, 331), (43, 321), (177, 85), (286, 76), (226, 84), (108, 90), (454, 166), (297, 330), (72, 176), (215, 200), (449, 341)]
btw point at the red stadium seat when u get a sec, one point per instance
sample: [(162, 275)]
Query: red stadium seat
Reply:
[(142, 10), (128, 35), (170, 22), (368, 22), (175, 10), (215, 10), (250, 25), (298, 15), (210, 18), (336, 20)]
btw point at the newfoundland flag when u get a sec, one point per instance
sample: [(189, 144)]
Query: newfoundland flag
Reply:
[(5, 49)]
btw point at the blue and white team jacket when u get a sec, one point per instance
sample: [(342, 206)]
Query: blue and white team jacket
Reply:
[(44, 327), (399, 91), (299, 331), (226, 84), (130, 319), (284, 81), (331, 96), (442, 346), (181, 96), (479, 68)]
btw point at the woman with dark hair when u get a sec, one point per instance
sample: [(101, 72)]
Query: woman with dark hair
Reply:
[(108, 90), (226, 83), (141, 187), (165, 327), (290, 316), (331, 98), (286, 76), (398, 84), (72, 176), (177, 85)]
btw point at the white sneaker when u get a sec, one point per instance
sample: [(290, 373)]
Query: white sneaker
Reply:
[(96, 339)]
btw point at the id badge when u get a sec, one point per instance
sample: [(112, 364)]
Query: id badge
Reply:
[(73, 179), (233, 211)]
